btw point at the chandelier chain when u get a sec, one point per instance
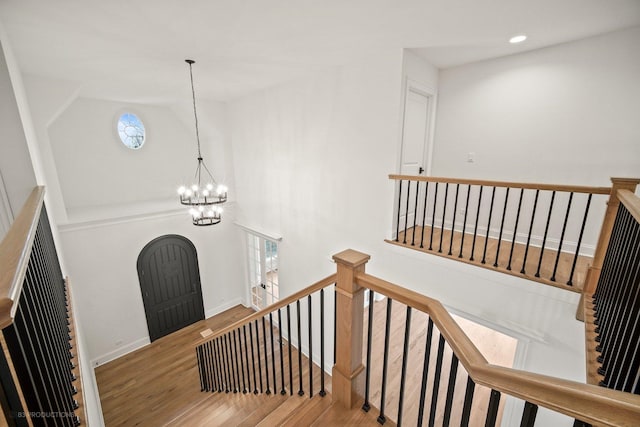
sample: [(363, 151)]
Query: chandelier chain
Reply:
[(195, 114)]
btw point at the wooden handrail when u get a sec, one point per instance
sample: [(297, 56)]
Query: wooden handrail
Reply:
[(631, 202), (15, 250), (525, 185), (273, 307), (595, 405)]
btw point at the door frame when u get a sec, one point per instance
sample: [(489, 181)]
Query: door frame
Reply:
[(415, 86), (411, 85), (147, 309)]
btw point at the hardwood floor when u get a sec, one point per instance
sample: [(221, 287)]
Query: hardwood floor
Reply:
[(158, 385), (547, 264), (498, 349)]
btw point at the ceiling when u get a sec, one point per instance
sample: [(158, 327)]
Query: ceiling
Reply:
[(133, 50)]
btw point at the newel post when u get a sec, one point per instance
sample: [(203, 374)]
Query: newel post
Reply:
[(347, 381), (593, 274)]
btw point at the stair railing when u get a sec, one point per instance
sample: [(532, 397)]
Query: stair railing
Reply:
[(612, 309), (523, 229), (39, 380), (587, 404), (263, 353)]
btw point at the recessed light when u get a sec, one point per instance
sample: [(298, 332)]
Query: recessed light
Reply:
[(517, 39)]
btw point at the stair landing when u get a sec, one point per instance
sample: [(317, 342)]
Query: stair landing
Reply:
[(442, 243)]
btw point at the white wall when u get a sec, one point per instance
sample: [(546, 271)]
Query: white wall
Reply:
[(311, 162), (15, 161), (564, 114), (102, 264)]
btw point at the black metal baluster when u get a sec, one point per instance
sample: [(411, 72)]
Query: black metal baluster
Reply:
[(415, 214), (47, 318), (322, 390), (273, 355), (282, 389), (204, 360), (468, 400), (424, 213), (515, 229), (239, 367), (614, 271), (433, 216), (32, 358), (266, 356), (200, 367), (504, 213), (486, 239), (453, 225), (367, 381), (444, 212), (50, 382), (300, 390), (215, 373), (259, 356), (56, 382), (425, 372), (289, 343), (335, 320), (533, 217), (406, 212), (232, 370), (450, 389), (546, 230), (475, 228), (215, 360), (253, 361), (464, 223), (405, 356), (381, 417), (222, 368), (436, 381), (310, 349), (575, 256), (246, 355), (564, 228), (398, 218), (529, 414), (492, 411)]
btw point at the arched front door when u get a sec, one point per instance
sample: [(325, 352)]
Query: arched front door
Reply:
[(170, 284)]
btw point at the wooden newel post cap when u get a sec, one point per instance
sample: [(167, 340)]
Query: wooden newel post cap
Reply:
[(351, 258)]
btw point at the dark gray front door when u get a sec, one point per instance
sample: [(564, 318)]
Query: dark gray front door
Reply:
[(170, 284)]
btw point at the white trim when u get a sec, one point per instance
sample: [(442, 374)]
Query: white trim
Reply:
[(120, 351), (260, 233), (6, 214), (142, 342), (83, 225), (222, 307)]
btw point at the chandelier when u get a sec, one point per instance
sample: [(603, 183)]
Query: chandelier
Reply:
[(205, 195)]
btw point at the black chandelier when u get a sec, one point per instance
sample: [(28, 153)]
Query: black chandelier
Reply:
[(204, 195)]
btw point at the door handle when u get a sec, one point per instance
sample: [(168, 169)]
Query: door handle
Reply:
[(420, 170), (263, 286)]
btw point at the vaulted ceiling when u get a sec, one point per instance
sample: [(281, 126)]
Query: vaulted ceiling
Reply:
[(133, 50)]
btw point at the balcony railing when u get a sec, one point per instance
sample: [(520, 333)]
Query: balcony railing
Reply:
[(541, 232), (39, 372)]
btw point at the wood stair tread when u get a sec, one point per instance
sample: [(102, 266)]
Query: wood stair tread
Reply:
[(309, 411)]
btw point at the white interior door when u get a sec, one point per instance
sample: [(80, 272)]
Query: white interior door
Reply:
[(264, 288), (415, 132), (415, 141)]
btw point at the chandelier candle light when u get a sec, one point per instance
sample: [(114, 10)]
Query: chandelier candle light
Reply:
[(203, 197)]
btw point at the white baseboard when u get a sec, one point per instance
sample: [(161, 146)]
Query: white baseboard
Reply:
[(120, 351), (139, 343), (224, 306)]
